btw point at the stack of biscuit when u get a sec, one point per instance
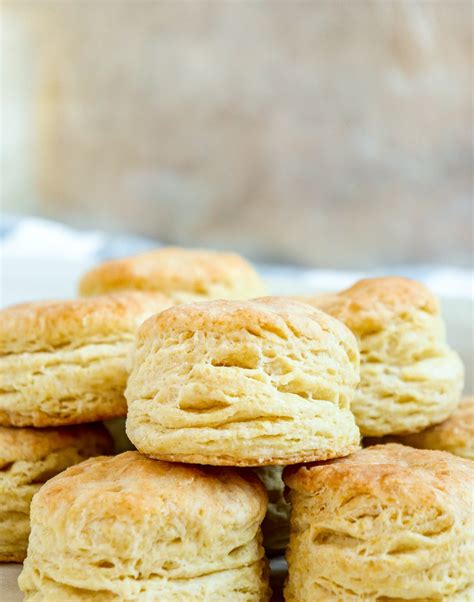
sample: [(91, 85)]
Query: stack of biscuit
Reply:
[(214, 387), (390, 522), (62, 372), (227, 395), (123, 527), (410, 379)]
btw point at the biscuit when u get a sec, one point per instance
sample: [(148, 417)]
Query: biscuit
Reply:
[(276, 524), (454, 435), (64, 362), (243, 383), (131, 528), (387, 523), (183, 274), (28, 458), (409, 377)]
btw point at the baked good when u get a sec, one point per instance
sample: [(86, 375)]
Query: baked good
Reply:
[(28, 458), (387, 523), (64, 362), (454, 435), (131, 528), (409, 377), (243, 383), (183, 274), (276, 524)]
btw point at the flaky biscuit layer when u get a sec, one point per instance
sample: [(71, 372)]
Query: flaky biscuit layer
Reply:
[(65, 362), (410, 377), (386, 523), (247, 383), (28, 458), (131, 528), (454, 435)]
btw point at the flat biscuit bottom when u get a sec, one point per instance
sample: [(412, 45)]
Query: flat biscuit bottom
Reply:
[(312, 456), (329, 432), (246, 584)]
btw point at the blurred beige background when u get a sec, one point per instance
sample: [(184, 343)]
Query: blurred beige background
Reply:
[(330, 133)]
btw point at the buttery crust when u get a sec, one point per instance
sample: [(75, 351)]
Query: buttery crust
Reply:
[(386, 523), (246, 383), (28, 458), (260, 461), (64, 362), (454, 435), (372, 302), (410, 377), (131, 528), (50, 325), (183, 274)]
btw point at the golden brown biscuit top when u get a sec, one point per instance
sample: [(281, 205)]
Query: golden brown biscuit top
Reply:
[(386, 470), (173, 269), (131, 484), (264, 317), (46, 325), (31, 444), (372, 302)]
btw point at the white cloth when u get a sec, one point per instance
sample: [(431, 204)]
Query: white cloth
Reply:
[(44, 259)]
